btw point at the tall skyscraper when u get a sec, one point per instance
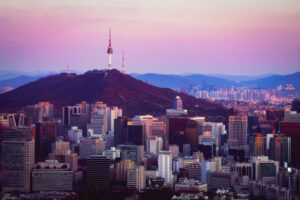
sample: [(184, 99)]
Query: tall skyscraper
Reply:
[(99, 117), (280, 149), (136, 178), (109, 50), (98, 173), (292, 130), (17, 159), (183, 131), (238, 126), (122, 168), (135, 133), (257, 145), (45, 135), (120, 130), (165, 166), (206, 167)]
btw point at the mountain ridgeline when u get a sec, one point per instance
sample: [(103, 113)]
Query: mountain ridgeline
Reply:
[(212, 82), (113, 88)]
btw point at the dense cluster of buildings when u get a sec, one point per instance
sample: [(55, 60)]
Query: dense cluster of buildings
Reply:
[(93, 147), (245, 93)]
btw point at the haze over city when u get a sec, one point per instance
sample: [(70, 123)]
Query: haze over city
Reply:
[(230, 37)]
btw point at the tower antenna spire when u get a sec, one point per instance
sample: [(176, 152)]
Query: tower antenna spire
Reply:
[(109, 50), (123, 63)]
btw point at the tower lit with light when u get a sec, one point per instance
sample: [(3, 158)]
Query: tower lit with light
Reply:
[(109, 50)]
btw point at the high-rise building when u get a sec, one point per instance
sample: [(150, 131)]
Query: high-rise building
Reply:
[(113, 113), (195, 171), (132, 152), (98, 173), (45, 135), (183, 131), (99, 116), (242, 169), (280, 149), (219, 180), (238, 129), (17, 159), (91, 146), (174, 150), (292, 116), (136, 178), (61, 148), (165, 166), (218, 163), (265, 170), (154, 145), (67, 111), (292, 130), (52, 176), (186, 150), (112, 153), (191, 132), (120, 130), (121, 169), (75, 135), (135, 133), (207, 166), (257, 145)]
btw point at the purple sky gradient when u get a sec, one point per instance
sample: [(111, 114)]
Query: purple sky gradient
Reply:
[(248, 37)]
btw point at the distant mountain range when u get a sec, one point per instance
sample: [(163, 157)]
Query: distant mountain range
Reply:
[(237, 78), (209, 82), (178, 81), (173, 81), (274, 81), (113, 88)]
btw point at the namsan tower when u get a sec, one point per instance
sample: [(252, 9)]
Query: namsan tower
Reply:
[(109, 50)]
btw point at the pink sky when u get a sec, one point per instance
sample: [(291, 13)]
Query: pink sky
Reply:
[(248, 37)]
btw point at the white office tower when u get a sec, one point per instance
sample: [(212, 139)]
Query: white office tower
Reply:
[(113, 113), (165, 166), (136, 178), (206, 167), (154, 145), (99, 120), (91, 146), (75, 135)]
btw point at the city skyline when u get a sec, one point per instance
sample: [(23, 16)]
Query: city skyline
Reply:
[(236, 38)]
